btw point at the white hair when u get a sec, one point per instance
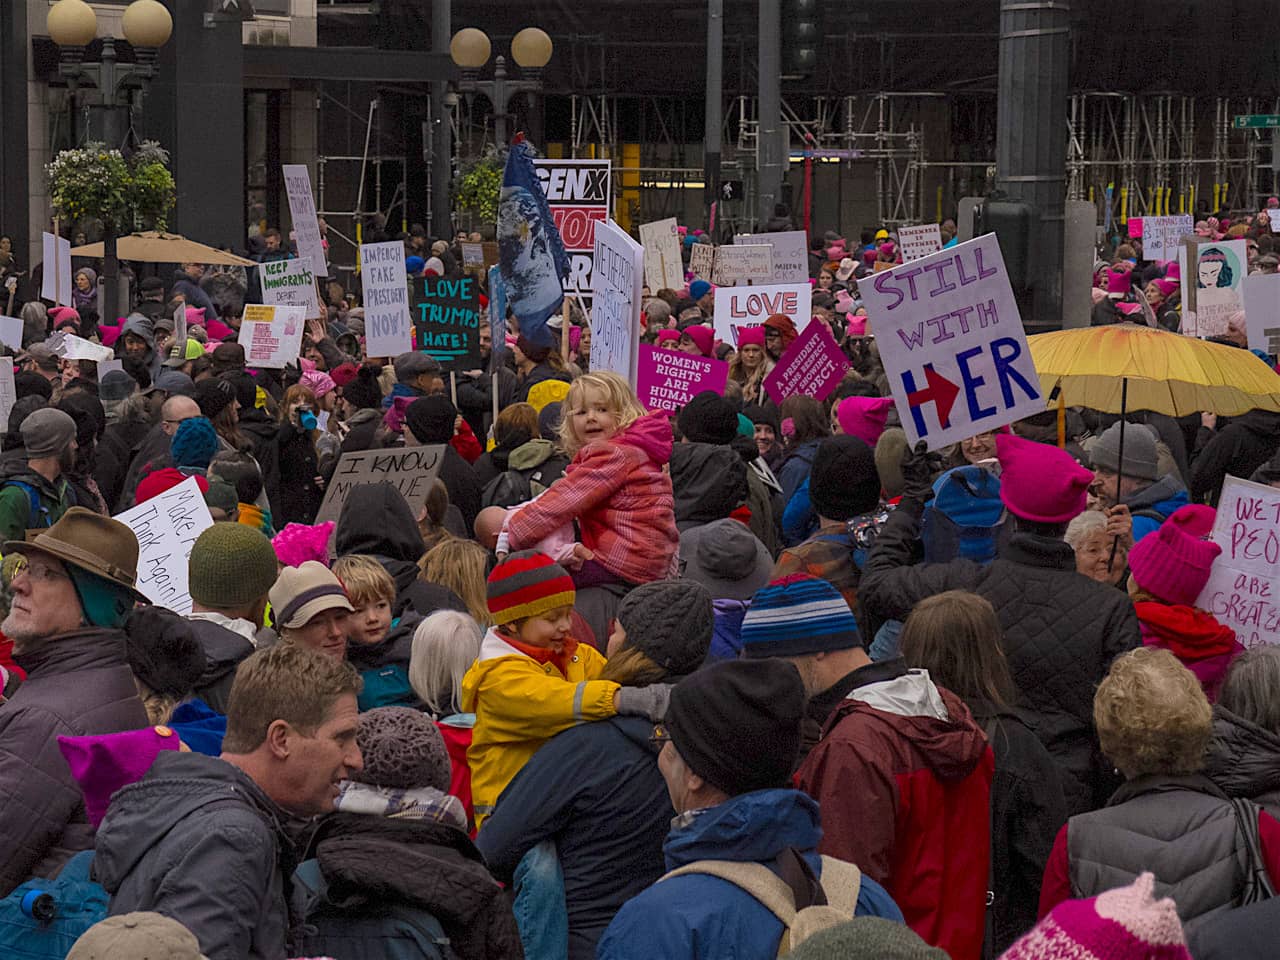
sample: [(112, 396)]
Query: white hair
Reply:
[(445, 645), (1083, 525)]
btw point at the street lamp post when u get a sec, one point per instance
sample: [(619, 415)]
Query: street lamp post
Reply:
[(73, 25), (531, 49)]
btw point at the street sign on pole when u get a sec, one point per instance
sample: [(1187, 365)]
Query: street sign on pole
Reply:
[(1257, 121)]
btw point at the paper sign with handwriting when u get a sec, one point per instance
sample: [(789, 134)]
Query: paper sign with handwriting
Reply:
[(1243, 591), (166, 527)]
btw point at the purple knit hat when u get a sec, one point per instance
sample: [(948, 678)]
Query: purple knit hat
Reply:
[(1171, 565), (1122, 924), (103, 764)]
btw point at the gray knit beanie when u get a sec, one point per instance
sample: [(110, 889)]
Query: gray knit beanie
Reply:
[(671, 622), (1140, 457), (867, 938), (402, 749)]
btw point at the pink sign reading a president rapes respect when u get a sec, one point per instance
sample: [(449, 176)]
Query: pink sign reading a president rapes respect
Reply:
[(668, 379), (812, 366)]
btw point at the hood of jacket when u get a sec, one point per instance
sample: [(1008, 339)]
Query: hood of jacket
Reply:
[(531, 455), (223, 649), (1243, 758), (16, 468), (177, 785), (379, 522), (651, 434), (1190, 634), (139, 326), (1264, 423), (1164, 496), (751, 827), (395, 647), (935, 721), (709, 482)]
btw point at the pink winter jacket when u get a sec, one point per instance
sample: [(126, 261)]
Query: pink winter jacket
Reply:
[(617, 491)]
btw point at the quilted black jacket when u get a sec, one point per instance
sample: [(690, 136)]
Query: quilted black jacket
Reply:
[(1061, 632)]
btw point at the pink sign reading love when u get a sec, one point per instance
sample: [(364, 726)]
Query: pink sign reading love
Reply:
[(668, 379), (812, 366)]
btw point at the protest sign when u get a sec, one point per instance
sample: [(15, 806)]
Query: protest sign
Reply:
[(271, 335), (472, 256), (578, 193), (812, 366), (1243, 591), (166, 527), (1135, 226), (1162, 235), (662, 265), (106, 366), (948, 329), (11, 332), (8, 392), (702, 261), (1262, 311), (919, 241), (739, 307), (411, 470), (386, 299), (617, 282), (497, 311), (70, 347), (446, 321), (789, 250), (1213, 288), (55, 281), (668, 379), (741, 264), (291, 283), (302, 208)]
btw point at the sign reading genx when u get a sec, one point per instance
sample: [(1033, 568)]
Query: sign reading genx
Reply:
[(952, 343), (578, 193)]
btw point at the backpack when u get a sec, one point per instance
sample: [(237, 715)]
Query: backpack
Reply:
[(841, 882), (513, 487), (379, 929), (80, 903), (39, 516), (966, 519), (386, 686)]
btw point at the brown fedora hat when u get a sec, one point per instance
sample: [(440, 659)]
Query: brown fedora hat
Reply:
[(90, 541)]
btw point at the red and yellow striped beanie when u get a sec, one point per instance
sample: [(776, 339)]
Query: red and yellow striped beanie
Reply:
[(527, 584)]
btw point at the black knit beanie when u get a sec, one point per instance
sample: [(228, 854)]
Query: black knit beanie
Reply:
[(843, 482), (708, 418), (431, 419), (364, 392)]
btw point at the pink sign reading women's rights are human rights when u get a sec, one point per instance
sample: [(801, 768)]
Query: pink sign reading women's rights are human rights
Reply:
[(668, 379)]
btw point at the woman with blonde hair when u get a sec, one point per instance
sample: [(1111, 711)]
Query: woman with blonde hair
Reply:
[(460, 565), (751, 364)]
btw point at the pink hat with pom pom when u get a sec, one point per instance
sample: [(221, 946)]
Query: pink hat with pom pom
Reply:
[(297, 543)]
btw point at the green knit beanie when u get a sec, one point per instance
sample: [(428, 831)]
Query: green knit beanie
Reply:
[(866, 938), (231, 565)]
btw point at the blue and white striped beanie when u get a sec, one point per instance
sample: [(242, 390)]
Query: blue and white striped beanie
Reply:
[(796, 615)]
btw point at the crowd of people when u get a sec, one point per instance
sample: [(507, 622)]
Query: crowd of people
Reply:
[(749, 679)]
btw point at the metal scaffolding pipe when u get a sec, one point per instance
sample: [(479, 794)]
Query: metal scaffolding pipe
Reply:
[(770, 127)]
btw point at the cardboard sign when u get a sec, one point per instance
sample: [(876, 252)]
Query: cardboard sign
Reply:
[(668, 379), (411, 470), (739, 307), (106, 366), (1262, 312), (472, 256), (737, 264), (55, 281), (1218, 279), (663, 267), (702, 258), (617, 284), (1162, 235), (790, 251), (919, 241), (167, 526), (1243, 591), (386, 299), (271, 335), (446, 321), (302, 208), (952, 343), (812, 366), (70, 347), (579, 194), (8, 392), (291, 283), (11, 332)]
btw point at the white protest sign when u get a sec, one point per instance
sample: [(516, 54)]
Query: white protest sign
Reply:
[(1161, 236), (411, 470), (617, 282), (167, 526), (740, 307), (790, 253), (472, 255), (919, 241), (271, 335), (11, 332), (1243, 591), (8, 392), (55, 282), (291, 283), (302, 208), (70, 347), (702, 261), (386, 299), (1218, 278), (662, 265), (745, 263), (1262, 311), (952, 343)]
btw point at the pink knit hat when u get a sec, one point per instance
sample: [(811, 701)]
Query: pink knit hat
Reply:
[(668, 336), (1173, 271), (1172, 565), (1195, 519), (703, 338), (297, 543), (750, 335), (1122, 924), (1118, 281), (864, 417), (1039, 482), (104, 763), (1166, 286)]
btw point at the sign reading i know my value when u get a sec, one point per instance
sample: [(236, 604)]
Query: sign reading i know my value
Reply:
[(446, 321), (952, 343), (290, 283)]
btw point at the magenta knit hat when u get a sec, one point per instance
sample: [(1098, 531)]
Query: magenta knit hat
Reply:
[(1195, 519), (1166, 286), (864, 417), (702, 337), (1118, 281), (103, 764), (1039, 482), (750, 335), (1122, 924), (297, 543), (1171, 565), (668, 336)]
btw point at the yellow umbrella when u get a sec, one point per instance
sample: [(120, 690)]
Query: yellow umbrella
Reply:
[(155, 247), (1125, 367)]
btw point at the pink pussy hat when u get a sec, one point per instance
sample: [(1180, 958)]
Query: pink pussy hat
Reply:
[(103, 763), (1172, 565), (1195, 519), (1122, 924), (1039, 482), (864, 417), (1118, 281)]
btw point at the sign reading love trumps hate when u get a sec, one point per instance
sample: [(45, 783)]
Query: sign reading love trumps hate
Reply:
[(812, 366), (1243, 591), (952, 343), (737, 308), (446, 321), (668, 379)]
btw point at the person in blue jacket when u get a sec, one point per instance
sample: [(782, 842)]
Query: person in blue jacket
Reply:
[(729, 745)]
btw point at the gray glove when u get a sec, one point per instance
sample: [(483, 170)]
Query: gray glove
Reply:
[(650, 701)]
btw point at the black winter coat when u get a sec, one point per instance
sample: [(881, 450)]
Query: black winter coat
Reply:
[(460, 480), (1246, 933), (223, 651), (1239, 448), (1244, 760), (709, 483), (114, 452), (300, 496), (262, 432), (1061, 632)]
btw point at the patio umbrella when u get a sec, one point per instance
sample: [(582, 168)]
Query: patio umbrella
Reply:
[(156, 247)]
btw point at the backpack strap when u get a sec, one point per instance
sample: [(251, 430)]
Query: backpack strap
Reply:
[(753, 878), (841, 882)]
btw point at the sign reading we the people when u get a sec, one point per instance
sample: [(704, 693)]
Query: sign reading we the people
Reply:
[(1243, 591)]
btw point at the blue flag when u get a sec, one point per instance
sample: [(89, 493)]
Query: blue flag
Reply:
[(530, 252)]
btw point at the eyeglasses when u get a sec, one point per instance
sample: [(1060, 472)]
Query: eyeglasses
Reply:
[(37, 572), (179, 420)]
